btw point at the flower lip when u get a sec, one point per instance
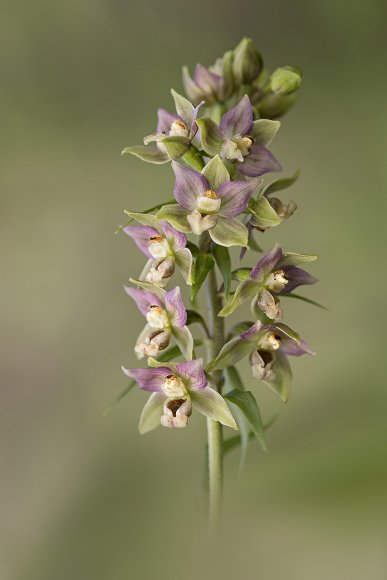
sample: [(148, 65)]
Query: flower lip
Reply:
[(173, 386), (208, 202), (175, 404), (157, 317)]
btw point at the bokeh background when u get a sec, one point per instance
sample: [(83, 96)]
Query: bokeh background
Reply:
[(84, 497)]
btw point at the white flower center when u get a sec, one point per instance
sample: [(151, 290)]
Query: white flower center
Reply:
[(157, 317), (270, 341), (179, 129), (277, 281), (158, 247), (208, 202), (173, 386), (201, 223), (236, 148)]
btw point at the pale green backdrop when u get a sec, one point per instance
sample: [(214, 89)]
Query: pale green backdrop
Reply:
[(84, 497)]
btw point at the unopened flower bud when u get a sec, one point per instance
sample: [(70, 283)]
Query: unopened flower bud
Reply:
[(269, 305), (173, 386), (176, 413), (273, 105), (247, 61), (208, 202), (201, 223), (285, 80), (276, 281), (158, 247), (270, 341), (157, 317), (282, 210)]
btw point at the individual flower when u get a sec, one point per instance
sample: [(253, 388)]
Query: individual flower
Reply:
[(241, 140), (210, 201), (173, 136), (267, 346), (166, 316), (268, 359), (275, 273), (165, 247), (175, 388)]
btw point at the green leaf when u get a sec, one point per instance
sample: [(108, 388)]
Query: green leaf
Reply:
[(280, 184), (245, 290), (149, 153), (211, 404), (232, 352), (210, 136), (304, 299), (123, 393), (223, 261), (264, 214), (292, 259), (175, 215), (264, 131), (174, 352), (203, 264), (216, 173), (248, 405), (151, 413), (233, 382), (229, 232)]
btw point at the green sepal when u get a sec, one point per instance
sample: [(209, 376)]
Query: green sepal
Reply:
[(216, 173), (203, 264), (289, 331), (281, 385), (175, 146), (229, 232), (241, 274), (145, 219), (210, 136), (184, 108), (281, 184), (151, 413), (292, 259), (246, 289), (232, 352), (175, 215), (149, 153), (211, 404), (156, 290), (184, 341), (246, 402), (264, 214), (223, 261), (184, 262), (264, 131)]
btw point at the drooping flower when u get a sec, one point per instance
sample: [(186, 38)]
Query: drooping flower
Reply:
[(275, 273), (165, 247), (166, 316), (175, 388), (173, 136), (241, 140), (267, 346), (210, 201)]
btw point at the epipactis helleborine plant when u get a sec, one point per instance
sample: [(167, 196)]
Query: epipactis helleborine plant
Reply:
[(217, 141)]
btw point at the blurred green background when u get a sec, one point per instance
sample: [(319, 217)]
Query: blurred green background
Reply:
[(84, 497)]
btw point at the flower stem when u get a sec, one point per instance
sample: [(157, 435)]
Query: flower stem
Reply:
[(214, 428)]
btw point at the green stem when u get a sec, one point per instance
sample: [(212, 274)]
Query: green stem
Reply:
[(214, 428)]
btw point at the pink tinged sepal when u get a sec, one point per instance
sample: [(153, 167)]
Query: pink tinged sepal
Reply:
[(141, 236), (211, 404), (174, 305), (148, 379), (238, 120), (267, 263), (143, 299), (229, 232), (235, 195), (192, 372), (258, 162), (189, 185)]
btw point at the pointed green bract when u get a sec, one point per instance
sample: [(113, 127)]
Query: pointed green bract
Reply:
[(248, 405), (304, 299), (119, 397), (223, 261), (281, 184), (264, 214), (212, 405), (292, 259), (231, 353), (204, 263)]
